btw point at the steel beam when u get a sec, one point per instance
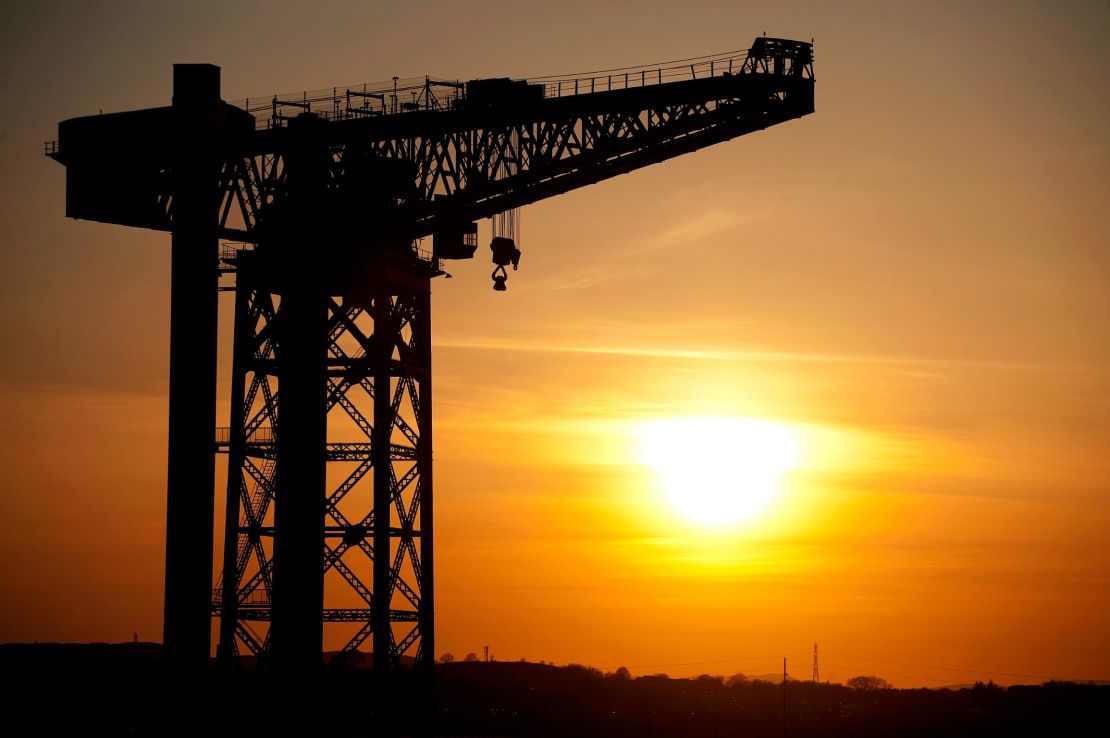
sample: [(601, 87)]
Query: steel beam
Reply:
[(422, 340), (381, 629), (229, 595), (301, 439), (192, 395)]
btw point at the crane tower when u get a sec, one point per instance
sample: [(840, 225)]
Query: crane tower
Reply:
[(317, 209)]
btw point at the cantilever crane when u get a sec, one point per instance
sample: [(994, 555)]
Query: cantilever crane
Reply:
[(326, 198)]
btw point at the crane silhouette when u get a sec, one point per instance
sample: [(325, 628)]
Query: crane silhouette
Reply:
[(317, 209)]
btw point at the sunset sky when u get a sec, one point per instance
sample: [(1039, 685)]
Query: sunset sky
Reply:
[(913, 283)]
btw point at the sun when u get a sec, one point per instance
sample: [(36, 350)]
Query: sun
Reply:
[(718, 470)]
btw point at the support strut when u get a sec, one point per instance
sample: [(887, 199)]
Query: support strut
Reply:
[(193, 323), (298, 598)]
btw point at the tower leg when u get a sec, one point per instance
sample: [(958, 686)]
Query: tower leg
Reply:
[(229, 594), (298, 600), (383, 493), (401, 448), (192, 395), (422, 343), (247, 587)]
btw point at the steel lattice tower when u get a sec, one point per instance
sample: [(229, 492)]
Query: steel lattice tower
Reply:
[(361, 342), (331, 391)]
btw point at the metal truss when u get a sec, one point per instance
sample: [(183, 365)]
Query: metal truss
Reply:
[(467, 163)]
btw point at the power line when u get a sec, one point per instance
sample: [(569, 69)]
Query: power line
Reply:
[(944, 668), (715, 661), (885, 673)]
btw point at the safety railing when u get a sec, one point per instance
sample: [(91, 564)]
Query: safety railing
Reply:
[(254, 598), (229, 251), (623, 78), (228, 261), (261, 436), (766, 56), (357, 101)]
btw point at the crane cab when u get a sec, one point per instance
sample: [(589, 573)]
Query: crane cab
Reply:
[(455, 241), (501, 92)]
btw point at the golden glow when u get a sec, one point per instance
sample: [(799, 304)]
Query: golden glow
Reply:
[(719, 470)]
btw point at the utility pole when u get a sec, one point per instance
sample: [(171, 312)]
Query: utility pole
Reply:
[(784, 696), (816, 674)]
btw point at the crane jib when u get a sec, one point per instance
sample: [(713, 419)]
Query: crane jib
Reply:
[(495, 145)]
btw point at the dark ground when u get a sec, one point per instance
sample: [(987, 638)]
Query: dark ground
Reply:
[(122, 690)]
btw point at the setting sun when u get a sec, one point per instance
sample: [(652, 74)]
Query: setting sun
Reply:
[(718, 470)]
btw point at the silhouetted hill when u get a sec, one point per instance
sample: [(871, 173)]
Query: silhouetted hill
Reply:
[(78, 655), (353, 660), (121, 689), (531, 699)]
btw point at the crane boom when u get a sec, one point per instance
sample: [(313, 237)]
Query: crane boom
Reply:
[(467, 160)]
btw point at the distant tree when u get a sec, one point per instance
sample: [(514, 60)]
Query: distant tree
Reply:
[(736, 680), (869, 683), (622, 674), (706, 680), (447, 658), (471, 657)]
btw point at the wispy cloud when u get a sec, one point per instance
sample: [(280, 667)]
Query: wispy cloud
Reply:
[(626, 259), (481, 343)]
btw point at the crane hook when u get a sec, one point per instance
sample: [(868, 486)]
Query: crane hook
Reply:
[(505, 253)]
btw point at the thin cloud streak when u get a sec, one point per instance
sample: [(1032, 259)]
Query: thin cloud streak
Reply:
[(481, 344)]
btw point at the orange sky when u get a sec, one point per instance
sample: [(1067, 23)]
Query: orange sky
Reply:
[(916, 279)]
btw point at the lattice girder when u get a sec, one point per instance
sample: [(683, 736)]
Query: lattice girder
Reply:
[(385, 339)]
